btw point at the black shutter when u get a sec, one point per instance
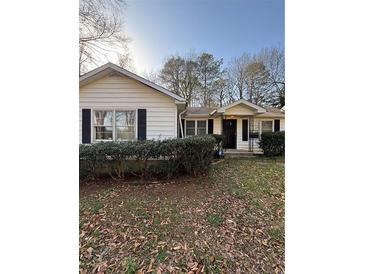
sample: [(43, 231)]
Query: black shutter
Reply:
[(182, 127), (244, 130), (86, 126), (142, 124), (276, 125), (210, 126)]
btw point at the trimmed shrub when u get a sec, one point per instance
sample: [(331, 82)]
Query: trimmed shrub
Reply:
[(146, 158), (218, 138), (273, 143)]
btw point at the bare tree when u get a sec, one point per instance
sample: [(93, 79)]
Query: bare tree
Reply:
[(153, 76), (172, 73), (274, 61), (221, 91), (180, 75), (100, 29), (256, 81), (236, 73), (190, 82), (259, 78), (125, 59)]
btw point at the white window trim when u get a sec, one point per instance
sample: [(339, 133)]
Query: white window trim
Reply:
[(185, 127), (93, 125), (94, 140), (196, 126)]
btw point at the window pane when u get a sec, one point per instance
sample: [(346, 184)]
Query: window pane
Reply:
[(190, 128), (202, 127), (266, 126), (125, 125), (103, 118), (125, 133), (103, 133), (124, 118)]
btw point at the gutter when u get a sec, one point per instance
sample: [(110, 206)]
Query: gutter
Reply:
[(181, 128), (214, 111)]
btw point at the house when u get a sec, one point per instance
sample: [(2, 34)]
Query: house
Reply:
[(116, 104)]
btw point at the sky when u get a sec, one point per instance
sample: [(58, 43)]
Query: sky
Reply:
[(225, 28)]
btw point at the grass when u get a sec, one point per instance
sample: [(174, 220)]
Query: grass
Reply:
[(231, 220), (131, 266), (162, 255), (214, 219)]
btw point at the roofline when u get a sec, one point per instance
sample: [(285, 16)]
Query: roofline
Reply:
[(197, 115), (258, 108), (94, 72)]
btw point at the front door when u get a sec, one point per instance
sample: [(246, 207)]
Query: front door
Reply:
[(229, 133)]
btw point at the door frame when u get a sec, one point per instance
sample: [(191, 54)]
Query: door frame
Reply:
[(235, 132)]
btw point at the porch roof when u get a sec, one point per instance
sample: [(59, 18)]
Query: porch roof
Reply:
[(210, 112), (199, 111)]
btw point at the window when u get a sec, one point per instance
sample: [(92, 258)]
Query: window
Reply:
[(190, 128), (266, 126), (195, 127), (103, 125), (201, 127), (114, 125), (125, 125)]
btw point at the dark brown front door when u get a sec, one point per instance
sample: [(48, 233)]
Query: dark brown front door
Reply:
[(230, 133)]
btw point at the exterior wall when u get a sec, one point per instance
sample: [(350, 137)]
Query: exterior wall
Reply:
[(239, 110), (217, 126), (120, 92), (282, 124)]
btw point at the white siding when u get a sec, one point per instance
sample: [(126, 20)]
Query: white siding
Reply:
[(217, 126), (239, 110), (282, 124), (120, 92)]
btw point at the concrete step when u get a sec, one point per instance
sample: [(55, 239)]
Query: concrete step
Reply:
[(234, 153)]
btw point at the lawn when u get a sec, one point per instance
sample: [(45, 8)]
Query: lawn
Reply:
[(229, 221)]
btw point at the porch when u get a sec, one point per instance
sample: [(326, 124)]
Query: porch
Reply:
[(241, 134)]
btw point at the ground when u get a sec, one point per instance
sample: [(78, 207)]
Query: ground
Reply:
[(228, 221)]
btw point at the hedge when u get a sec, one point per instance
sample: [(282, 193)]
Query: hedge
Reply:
[(273, 143), (147, 158)]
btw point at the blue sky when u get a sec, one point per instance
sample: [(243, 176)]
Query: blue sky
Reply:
[(159, 28)]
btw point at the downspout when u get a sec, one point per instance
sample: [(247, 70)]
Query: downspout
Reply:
[(180, 122)]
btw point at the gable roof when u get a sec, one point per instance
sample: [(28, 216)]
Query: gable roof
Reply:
[(109, 68), (200, 112), (238, 102)]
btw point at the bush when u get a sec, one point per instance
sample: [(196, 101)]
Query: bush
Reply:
[(218, 138), (273, 143), (146, 158)]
